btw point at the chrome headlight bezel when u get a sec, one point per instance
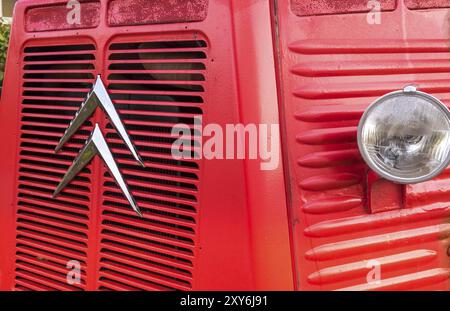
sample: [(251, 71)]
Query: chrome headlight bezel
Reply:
[(407, 91)]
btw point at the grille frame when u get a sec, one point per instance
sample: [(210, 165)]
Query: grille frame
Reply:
[(98, 176)]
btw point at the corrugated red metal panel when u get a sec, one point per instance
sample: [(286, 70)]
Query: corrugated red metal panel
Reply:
[(332, 67)]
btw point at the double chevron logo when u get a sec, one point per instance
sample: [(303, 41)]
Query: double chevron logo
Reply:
[(96, 144)]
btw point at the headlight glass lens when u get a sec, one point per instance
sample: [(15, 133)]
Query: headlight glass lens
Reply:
[(405, 136)]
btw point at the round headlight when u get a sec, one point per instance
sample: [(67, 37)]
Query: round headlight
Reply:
[(404, 136)]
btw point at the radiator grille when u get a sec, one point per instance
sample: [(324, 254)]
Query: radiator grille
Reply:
[(51, 232), (154, 85)]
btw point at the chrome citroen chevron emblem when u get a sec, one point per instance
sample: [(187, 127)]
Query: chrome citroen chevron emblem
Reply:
[(96, 144)]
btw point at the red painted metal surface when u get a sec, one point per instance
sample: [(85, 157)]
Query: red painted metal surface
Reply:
[(331, 67), (314, 223), (139, 12), (427, 4), (326, 7), (54, 17), (383, 195), (207, 224)]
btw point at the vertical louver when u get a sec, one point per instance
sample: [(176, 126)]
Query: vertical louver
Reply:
[(51, 232), (154, 85)]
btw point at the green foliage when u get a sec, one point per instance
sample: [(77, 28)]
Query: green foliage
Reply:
[(5, 29)]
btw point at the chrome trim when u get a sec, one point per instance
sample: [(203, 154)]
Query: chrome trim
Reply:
[(96, 144), (98, 96), (409, 90)]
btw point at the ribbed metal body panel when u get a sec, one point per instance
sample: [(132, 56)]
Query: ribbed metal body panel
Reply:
[(332, 68)]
